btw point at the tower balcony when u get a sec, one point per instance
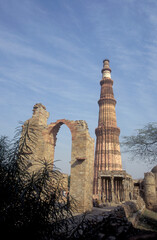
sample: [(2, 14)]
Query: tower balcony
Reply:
[(99, 131), (107, 100), (106, 80)]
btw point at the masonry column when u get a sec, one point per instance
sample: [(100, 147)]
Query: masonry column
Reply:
[(99, 188), (112, 189)]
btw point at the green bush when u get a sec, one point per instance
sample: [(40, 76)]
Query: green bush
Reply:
[(31, 207)]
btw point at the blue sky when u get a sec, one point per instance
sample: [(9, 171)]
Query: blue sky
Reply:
[(51, 52)]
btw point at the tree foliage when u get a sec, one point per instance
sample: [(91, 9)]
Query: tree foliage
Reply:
[(31, 206), (143, 145)]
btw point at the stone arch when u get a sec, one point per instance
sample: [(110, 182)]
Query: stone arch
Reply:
[(54, 127), (82, 153), (82, 159)]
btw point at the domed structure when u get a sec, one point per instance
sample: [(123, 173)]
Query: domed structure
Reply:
[(154, 169)]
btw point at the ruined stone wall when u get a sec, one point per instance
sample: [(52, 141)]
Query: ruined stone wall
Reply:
[(155, 175), (147, 189), (82, 155), (82, 166), (32, 132), (150, 190), (82, 160)]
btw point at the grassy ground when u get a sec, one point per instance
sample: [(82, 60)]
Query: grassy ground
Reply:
[(148, 220)]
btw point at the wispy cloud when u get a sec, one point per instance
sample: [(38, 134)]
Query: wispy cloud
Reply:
[(26, 51)]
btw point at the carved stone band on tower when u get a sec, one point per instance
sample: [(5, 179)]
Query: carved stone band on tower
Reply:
[(108, 173)]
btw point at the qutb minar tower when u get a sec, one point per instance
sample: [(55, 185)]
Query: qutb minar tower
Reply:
[(108, 173), (107, 156)]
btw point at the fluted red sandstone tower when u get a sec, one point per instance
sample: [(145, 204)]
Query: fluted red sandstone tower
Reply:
[(107, 155)]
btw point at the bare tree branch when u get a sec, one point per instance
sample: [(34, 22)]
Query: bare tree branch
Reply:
[(143, 145)]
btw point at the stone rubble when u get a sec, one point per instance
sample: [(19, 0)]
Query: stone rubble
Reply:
[(113, 225)]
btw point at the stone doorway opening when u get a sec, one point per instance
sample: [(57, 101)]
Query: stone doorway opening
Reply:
[(118, 189), (62, 153)]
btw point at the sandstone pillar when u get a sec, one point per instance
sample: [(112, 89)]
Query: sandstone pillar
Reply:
[(112, 189), (99, 188)]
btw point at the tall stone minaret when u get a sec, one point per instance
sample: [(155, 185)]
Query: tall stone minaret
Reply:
[(107, 153)]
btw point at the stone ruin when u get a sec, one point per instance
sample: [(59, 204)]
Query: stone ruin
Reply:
[(82, 154), (103, 180), (150, 189), (147, 189), (120, 187)]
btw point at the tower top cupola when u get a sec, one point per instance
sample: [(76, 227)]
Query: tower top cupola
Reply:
[(106, 71)]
